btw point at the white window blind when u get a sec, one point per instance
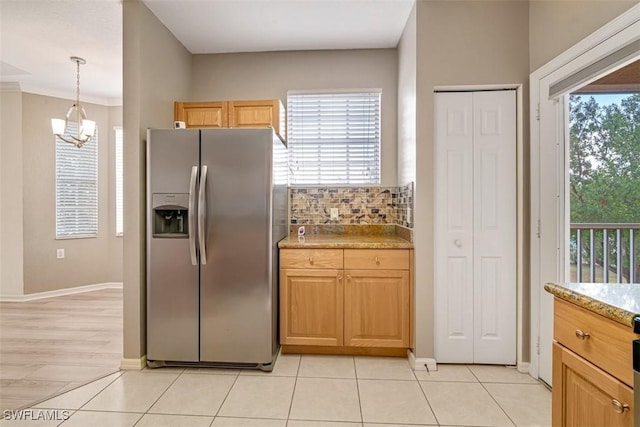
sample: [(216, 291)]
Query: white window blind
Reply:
[(334, 138), (119, 183), (76, 188)]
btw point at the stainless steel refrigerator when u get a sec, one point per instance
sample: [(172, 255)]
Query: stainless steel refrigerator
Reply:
[(216, 209)]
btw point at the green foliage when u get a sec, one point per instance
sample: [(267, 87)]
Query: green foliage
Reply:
[(604, 160), (604, 178)]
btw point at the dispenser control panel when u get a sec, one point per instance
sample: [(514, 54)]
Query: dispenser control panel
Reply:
[(170, 215)]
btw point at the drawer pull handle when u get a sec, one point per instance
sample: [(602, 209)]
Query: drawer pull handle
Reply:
[(348, 277), (620, 408), (310, 260), (377, 260), (339, 277), (581, 335)]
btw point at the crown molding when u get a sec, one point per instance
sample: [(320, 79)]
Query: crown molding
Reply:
[(38, 90), (10, 87)]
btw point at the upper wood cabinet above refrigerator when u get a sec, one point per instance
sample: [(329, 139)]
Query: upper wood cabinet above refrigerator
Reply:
[(234, 114)]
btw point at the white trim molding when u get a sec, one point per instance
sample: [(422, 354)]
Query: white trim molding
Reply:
[(60, 292), (421, 363), (547, 214), (133, 364)]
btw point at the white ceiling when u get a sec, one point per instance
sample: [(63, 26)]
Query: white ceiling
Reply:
[(37, 37)]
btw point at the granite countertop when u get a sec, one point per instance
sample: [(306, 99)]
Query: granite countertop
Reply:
[(617, 301), (358, 237)]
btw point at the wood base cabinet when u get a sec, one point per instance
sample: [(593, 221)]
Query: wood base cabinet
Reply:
[(585, 395), (376, 308), (312, 305), (592, 369), (324, 303)]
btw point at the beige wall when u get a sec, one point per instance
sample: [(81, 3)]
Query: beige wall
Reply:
[(407, 102), (407, 122), (555, 26), (87, 261), (271, 74), (157, 71), (458, 43), (11, 225)]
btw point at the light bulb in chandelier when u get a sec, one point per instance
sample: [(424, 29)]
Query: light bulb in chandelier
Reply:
[(85, 128)]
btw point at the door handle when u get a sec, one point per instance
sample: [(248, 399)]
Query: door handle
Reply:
[(202, 215), (192, 215), (581, 335)]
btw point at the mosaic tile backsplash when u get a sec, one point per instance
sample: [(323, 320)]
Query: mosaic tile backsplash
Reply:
[(356, 205)]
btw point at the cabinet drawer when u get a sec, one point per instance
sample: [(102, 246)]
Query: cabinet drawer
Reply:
[(376, 259), (601, 341), (311, 258)]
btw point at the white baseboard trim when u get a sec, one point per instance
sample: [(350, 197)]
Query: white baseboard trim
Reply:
[(523, 367), (60, 292), (421, 363), (133, 364)]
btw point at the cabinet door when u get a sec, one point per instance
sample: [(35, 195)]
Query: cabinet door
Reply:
[(260, 113), (584, 395), (311, 304), (376, 308), (202, 114)]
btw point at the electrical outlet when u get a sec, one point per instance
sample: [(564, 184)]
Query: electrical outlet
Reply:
[(334, 214), (60, 253)]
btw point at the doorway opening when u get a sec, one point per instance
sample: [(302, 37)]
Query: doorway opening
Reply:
[(603, 150)]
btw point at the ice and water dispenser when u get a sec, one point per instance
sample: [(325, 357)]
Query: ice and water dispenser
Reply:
[(170, 215)]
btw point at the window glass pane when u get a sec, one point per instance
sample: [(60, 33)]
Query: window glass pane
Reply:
[(334, 138), (119, 183), (77, 188)]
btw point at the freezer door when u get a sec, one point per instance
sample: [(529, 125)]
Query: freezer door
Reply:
[(236, 283), (172, 274)]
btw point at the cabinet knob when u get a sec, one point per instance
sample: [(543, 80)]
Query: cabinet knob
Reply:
[(581, 335), (340, 277), (619, 407), (348, 277), (458, 243), (377, 260), (310, 260)]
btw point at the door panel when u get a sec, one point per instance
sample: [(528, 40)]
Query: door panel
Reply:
[(376, 308), (311, 307), (495, 215), (475, 232), (172, 280), (236, 281), (454, 234)]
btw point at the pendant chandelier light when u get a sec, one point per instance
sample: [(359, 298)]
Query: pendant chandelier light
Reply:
[(85, 128)]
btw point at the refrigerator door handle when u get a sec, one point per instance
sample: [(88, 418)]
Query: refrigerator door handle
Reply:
[(202, 215), (192, 215)]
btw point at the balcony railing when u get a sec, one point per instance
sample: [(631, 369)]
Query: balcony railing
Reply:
[(609, 252)]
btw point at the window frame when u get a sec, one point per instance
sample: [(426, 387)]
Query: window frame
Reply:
[(62, 148), (118, 161), (353, 175)]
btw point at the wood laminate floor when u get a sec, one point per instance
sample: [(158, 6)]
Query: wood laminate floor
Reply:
[(52, 345)]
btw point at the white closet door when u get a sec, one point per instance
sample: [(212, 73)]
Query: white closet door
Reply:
[(494, 226), (454, 228), (475, 227)]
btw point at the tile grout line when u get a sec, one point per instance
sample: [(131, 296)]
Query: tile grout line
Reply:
[(427, 399), (225, 397), (355, 369), (295, 383), (159, 397)]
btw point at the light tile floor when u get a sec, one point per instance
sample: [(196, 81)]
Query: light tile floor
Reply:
[(305, 391)]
